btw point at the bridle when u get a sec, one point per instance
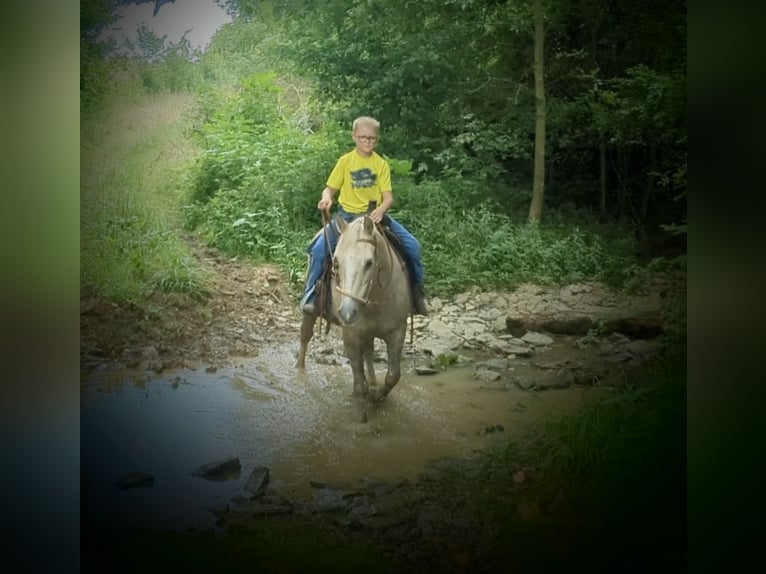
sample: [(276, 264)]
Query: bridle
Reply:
[(375, 279)]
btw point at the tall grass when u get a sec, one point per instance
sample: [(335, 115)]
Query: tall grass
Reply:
[(134, 152)]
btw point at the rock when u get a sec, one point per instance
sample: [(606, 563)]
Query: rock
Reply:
[(515, 327), (537, 339), (515, 349), (425, 370), (225, 469), (327, 499), (645, 326), (523, 383), (135, 480), (622, 357), (493, 365), (486, 376), (259, 478), (267, 506), (438, 328), (564, 378)]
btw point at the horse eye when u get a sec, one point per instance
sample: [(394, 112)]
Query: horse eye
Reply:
[(368, 264)]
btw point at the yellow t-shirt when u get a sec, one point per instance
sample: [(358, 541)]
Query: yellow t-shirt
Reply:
[(360, 180)]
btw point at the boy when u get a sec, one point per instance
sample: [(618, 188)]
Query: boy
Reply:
[(361, 176)]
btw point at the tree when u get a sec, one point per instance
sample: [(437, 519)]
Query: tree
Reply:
[(538, 185)]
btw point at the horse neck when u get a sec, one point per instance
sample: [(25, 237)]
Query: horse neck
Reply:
[(386, 255)]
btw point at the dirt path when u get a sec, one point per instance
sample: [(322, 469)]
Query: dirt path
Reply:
[(247, 308)]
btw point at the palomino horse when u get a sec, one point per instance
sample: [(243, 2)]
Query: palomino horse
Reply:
[(371, 298)]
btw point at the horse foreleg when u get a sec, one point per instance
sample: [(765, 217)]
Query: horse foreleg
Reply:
[(368, 351), (307, 331), (355, 353), (394, 346)]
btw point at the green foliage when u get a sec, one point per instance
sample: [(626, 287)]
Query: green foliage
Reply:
[(94, 15), (167, 66), (442, 361), (94, 77), (467, 243), (127, 258), (452, 84), (255, 186), (252, 144), (130, 247)]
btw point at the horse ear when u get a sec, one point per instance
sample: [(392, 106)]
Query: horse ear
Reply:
[(340, 224), (368, 224)]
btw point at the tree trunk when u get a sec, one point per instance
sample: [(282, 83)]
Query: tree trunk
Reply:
[(538, 185), (602, 156)]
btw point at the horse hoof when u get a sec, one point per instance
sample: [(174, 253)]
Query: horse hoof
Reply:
[(377, 397)]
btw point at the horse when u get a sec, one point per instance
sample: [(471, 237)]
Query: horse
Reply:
[(372, 298)]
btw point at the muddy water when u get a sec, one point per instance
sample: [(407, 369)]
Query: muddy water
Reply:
[(302, 426)]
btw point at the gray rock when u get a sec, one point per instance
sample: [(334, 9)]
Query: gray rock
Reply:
[(257, 481), (425, 370), (327, 499), (523, 383), (493, 364), (226, 469), (486, 376), (538, 339)]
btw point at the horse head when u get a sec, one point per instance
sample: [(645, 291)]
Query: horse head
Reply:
[(356, 267)]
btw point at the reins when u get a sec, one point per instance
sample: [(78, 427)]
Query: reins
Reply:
[(322, 299)]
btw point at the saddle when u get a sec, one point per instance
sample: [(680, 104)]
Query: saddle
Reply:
[(324, 288)]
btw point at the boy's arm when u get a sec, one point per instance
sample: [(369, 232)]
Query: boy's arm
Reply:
[(334, 183), (380, 211), (325, 204), (387, 193)]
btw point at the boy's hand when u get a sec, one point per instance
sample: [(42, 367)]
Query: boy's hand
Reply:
[(325, 204), (377, 215)]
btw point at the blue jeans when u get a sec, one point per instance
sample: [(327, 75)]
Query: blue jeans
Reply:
[(319, 252)]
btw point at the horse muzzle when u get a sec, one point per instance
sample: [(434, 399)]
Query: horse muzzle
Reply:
[(349, 310)]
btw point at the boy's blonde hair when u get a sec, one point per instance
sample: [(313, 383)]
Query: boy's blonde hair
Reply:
[(365, 121)]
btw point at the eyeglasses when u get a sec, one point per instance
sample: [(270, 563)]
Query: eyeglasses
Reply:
[(368, 138)]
